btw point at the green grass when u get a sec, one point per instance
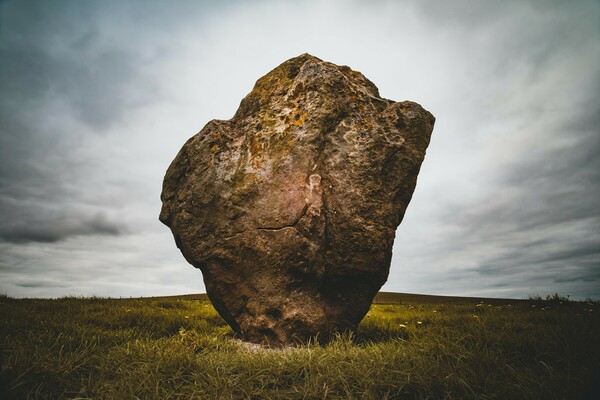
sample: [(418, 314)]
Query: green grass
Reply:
[(169, 348)]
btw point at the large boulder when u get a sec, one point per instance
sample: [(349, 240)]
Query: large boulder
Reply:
[(290, 208)]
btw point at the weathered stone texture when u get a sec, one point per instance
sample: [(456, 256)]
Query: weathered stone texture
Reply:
[(290, 208)]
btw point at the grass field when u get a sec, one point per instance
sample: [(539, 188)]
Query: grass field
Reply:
[(426, 347)]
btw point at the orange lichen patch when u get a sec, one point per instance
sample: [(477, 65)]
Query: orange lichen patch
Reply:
[(215, 147), (299, 118), (217, 136)]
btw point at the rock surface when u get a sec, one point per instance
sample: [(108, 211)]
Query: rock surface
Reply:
[(290, 208)]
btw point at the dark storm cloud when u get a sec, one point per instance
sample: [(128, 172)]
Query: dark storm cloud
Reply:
[(40, 284), (54, 230), (61, 80), (48, 54), (87, 63), (546, 230), (553, 215)]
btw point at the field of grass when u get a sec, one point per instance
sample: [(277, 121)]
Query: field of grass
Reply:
[(179, 348)]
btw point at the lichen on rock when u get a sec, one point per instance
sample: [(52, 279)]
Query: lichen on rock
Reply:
[(290, 208)]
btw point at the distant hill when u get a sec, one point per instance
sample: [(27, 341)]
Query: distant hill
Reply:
[(400, 298), (394, 298)]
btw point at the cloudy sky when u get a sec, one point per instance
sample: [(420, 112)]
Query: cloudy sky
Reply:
[(97, 97)]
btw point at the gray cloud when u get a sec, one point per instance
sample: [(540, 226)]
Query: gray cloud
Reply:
[(40, 284)]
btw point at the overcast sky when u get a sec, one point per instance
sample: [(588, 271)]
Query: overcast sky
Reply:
[(97, 97)]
